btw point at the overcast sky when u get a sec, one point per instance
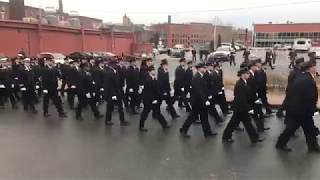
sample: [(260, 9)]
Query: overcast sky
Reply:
[(227, 11)]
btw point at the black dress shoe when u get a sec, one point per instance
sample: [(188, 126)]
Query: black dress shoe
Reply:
[(210, 135), (109, 123), (229, 140), (63, 115), (144, 130), (99, 116), (257, 141), (183, 133), (283, 148), (46, 115), (124, 123), (314, 150)]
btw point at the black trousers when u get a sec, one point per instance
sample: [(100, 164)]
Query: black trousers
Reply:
[(5, 94), (71, 94), (232, 61), (54, 96), (213, 112), (110, 108), (28, 100), (264, 99), (169, 101), (132, 99), (83, 101), (194, 58), (234, 123), (63, 87), (181, 97), (222, 102), (194, 115), (148, 106), (293, 122), (258, 116)]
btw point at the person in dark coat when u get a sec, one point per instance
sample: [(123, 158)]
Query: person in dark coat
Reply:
[(27, 87), (255, 101), (113, 93), (6, 84), (151, 100), (200, 104), (165, 88), (209, 76), (262, 80), (132, 88), (232, 59), (145, 64), (269, 58), (64, 73), (97, 71), (194, 55), (246, 55), (218, 87), (292, 57), (179, 83), (293, 74), (187, 86), (301, 106), (73, 79), (50, 76), (87, 93), (241, 108)]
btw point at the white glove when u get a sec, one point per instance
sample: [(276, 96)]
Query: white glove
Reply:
[(182, 89), (12, 85), (114, 98), (93, 82), (73, 87), (190, 87), (16, 78), (222, 88), (220, 93), (165, 94), (131, 90), (45, 91), (140, 91), (37, 87), (188, 95), (251, 112), (88, 95), (141, 87), (93, 94), (101, 89), (23, 89), (2, 86), (210, 97), (154, 102), (316, 114), (207, 103), (21, 85), (172, 93), (258, 101)]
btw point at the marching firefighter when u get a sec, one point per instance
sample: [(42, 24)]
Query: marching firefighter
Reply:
[(50, 76), (132, 81)]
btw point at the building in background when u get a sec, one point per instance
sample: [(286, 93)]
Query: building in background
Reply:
[(126, 21), (192, 34), (267, 35)]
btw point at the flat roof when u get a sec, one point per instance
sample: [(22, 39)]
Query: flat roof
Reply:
[(295, 27)]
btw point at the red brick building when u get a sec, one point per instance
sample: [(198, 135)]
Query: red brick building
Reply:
[(267, 35), (191, 34)]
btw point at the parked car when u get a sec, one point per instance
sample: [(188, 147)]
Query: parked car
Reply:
[(235, 47), (57, 57), (163, 50), (316, 50), (223, 53), (178, 51), (302, 44)]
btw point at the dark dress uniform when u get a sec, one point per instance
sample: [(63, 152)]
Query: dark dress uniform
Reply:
[(87, 94), (165, 89), (16, 68), (209, 76), (73, 79), (188, 87), (300, 108), (262, 89), (50, 77), (241, 106), (113, 95), (97, 75), (199, 97), (253, 85), (292, 56), (151, 97), (133, 82), (27, 88), (219, 93), (64, 73), (179, 85), (6, 87)]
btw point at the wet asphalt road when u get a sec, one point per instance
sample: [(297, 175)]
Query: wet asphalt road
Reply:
[(35, 148)]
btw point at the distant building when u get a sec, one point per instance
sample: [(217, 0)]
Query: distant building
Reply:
[(88, 22), (192, 34), (126, 21), (242, 36), (267, 35)]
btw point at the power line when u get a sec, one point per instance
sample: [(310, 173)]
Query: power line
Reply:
[(212, 11)]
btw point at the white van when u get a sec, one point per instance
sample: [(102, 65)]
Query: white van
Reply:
[(302, 44)]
